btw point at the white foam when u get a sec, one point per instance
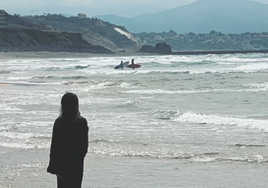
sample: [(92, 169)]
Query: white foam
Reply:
[(24, 145), (161, 91), (126, 85), (189, 117), (257, 85), (18, 78), (18, 135), (8, 108), (253, 67)]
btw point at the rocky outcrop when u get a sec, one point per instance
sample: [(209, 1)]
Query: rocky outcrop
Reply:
[(159, 48)]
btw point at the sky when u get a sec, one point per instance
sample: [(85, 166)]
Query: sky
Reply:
[(125, 8)]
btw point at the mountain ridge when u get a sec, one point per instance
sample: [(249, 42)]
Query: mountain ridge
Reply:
[(227, 16)]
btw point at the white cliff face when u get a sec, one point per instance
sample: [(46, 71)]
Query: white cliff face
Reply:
[(128, 35)]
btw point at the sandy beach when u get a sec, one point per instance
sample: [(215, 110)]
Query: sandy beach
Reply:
[(4, 84)]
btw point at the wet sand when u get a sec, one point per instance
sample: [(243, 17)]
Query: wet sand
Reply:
[(4, 84), (135, 173)]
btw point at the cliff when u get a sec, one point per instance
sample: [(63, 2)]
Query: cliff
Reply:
[(59, 33), (22, 39)]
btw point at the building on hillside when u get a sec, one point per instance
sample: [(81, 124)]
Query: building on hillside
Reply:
[(82, 15), (2, 17)]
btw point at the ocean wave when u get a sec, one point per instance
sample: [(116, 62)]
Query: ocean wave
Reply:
[(118, 142), (161, 91), (107, 83), (176, 63), (130, 103), (119, 84), (128, 149), (9, 108), (81, 66), (256, 86), (246, 159), (43, 67), (18, 78), (197, 118), (60, 68), (248, 145), (205, 90), (18, 135), (192, 63), (176, 70), (165, 114), (164, 71), (59, 77), (24, 145), (72, 60), (4, 72), (20, 140), (118, 152), (252, 67)]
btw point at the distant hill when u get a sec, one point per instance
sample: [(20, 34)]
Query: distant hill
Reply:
[(93, 34), (203, 16), (23, 39)]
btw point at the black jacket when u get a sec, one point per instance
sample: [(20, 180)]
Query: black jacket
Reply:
[(69, 146)]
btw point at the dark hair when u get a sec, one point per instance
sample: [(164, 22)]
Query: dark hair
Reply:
[(69, 106)]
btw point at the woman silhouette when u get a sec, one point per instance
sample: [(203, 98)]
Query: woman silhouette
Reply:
[(69, 144)]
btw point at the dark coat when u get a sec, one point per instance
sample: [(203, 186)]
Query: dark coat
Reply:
[(68, 148)]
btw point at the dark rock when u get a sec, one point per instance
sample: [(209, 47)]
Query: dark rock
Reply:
[(160, 48)]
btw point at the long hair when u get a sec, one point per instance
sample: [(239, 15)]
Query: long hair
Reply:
[(69, 106)]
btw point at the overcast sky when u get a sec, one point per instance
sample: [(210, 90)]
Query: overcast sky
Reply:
[(126, 8)]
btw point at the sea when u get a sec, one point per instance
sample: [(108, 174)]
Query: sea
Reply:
[(188, 121)]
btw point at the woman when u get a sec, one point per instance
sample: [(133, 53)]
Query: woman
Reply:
[(69, 144)]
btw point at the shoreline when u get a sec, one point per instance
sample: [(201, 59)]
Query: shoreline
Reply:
[(48, 54), (218, 52)]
